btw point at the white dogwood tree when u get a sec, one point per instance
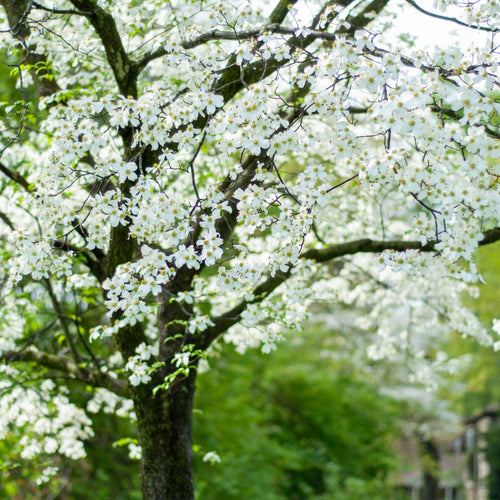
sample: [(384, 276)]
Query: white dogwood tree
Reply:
[(175, 173)]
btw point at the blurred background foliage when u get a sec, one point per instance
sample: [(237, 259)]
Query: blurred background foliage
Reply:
[(291, 425), (481, 380)]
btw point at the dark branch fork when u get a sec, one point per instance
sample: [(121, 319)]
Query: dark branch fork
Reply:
[(125, 73)]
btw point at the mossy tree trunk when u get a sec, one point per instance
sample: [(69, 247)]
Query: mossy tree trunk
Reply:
[(164, 422)]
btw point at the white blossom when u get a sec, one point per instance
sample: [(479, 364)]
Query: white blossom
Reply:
[(222, 176)]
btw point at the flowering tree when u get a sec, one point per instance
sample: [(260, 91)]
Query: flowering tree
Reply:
[(175, 173)]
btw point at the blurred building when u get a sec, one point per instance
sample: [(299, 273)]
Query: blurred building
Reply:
[(448, 469)]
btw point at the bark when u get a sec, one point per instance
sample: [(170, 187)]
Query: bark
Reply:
[(164, 422)]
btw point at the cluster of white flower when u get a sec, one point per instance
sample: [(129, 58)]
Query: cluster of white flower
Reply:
[(396, 101), (135, 282), (138, 364), (37, 258), (157, 217), (108, 402), (199, 324), (211, 457), (13, 317), (49, 422), (409, 318)]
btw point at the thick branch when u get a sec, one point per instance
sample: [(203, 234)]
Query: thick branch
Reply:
[(365, 245), (490, 236), (372, 246), (276, 17), (124, 72), (364, 17), (279, 13), (16, 177), (65, 365), (224, 322), (59, 363), (53, 10)]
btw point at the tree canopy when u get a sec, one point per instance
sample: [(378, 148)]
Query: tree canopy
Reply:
[(177, 173)]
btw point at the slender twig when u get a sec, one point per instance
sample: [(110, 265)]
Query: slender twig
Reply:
[(342, 183), (62, 321), (191, 169), (452, 19)]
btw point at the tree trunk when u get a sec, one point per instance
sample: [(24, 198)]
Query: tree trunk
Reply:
[(164, 423), (430, 459)]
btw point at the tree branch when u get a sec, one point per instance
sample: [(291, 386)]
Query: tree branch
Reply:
[(124, 71), (6, 220), (274, 20), (364, 17), (451, 19), (65, 365), (16, 177), (225, 321), (53, 10), (490, 236)]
